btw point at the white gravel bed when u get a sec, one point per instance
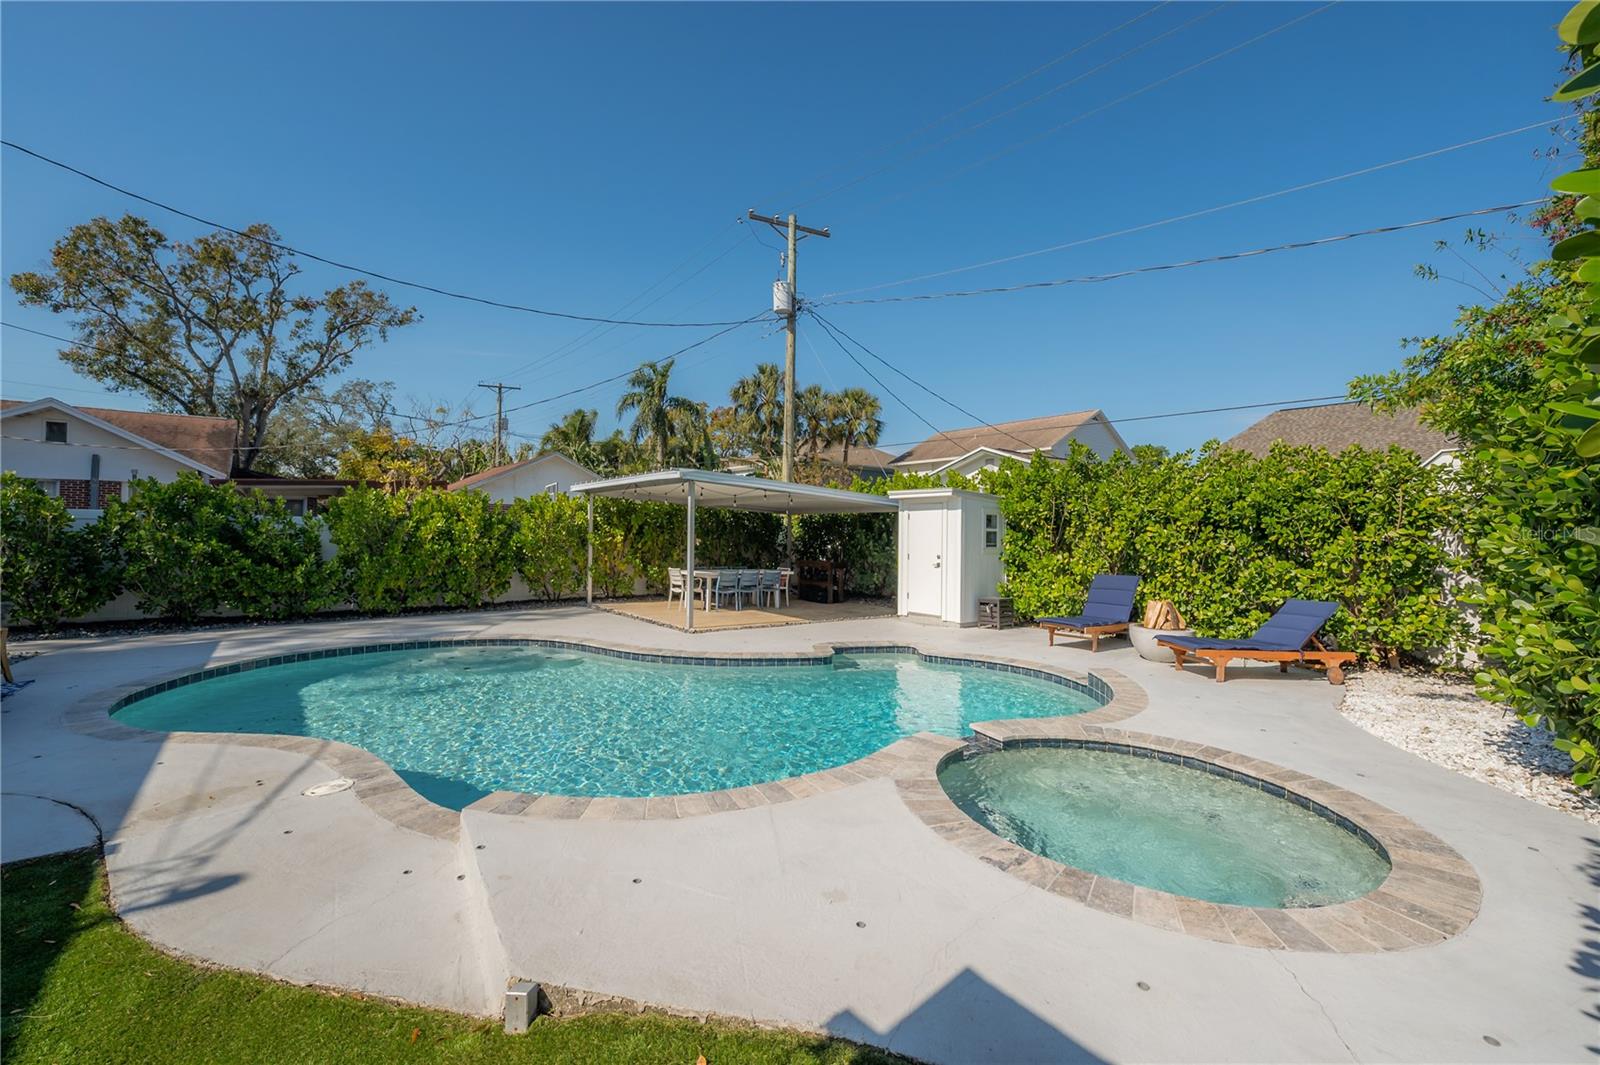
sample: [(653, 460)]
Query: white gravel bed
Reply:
[(1443, 720)]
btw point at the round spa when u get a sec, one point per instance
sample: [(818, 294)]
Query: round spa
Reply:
[(1163, 825), (460, 721)]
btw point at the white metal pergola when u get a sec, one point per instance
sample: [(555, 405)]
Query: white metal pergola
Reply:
[(725, 491)]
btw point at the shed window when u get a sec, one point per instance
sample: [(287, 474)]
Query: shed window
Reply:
[(991, 530), (50, 488), (55, 432)]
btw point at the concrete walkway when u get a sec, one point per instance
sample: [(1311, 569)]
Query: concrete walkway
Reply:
[(841, 911)]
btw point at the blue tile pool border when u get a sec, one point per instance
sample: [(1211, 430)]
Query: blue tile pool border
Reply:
[(1091, 686)]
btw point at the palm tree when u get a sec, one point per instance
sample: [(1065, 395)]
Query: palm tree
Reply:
[(815, 415), (758, 410), (858, 419), (573, 435), (655, 409)]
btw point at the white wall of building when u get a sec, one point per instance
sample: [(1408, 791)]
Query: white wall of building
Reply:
[(544, 475), (948, 550), (25, 451), (1095, 435)]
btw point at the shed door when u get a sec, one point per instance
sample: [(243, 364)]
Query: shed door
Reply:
[(924, 562)]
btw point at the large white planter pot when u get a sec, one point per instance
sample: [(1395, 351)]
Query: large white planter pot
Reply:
[(1144, 641)]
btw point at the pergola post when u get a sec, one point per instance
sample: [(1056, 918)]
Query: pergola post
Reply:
[(688, 558), (588, 562)]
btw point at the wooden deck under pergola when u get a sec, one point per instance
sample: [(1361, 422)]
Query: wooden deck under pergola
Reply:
[(693, 489)]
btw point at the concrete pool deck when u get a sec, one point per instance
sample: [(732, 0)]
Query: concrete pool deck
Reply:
[(840, 911)]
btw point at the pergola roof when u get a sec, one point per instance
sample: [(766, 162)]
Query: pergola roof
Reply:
[(730, 491)]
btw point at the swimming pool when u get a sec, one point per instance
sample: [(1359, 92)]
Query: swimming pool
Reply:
[(458, 722), (1162, 825)]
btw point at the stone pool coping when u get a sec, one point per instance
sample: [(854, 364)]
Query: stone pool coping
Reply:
[(385, 792), (1430, 895)]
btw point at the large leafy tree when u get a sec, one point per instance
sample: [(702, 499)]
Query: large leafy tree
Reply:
[(309, 431), (1519, 383), (659, 418), (216, 326)]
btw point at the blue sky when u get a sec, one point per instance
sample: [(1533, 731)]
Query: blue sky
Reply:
[(570, 157)]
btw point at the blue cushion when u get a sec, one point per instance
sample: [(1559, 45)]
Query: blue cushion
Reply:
[(1290, 629), (1111, 597), (1293, 625)]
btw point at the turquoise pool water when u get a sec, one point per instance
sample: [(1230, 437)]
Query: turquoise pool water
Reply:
[(460, 722), (1163, 826)]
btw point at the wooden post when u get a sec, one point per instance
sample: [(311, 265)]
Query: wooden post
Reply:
[(792, 229), (588, 564), (788, 366), (688, 561)]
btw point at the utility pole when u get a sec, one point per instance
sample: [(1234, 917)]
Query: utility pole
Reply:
[(792, 230), (500, 391)]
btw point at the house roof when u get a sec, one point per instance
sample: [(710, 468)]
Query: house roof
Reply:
[(206, 442), (500, 471), (1337, 426), (1016, 438), (860, 457)]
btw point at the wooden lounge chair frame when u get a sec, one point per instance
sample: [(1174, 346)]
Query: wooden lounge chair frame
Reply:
[(1221, 656), (1094, 632)]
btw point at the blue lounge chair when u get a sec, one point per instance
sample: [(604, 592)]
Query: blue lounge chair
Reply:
[(1106, 613), (1290, 635)]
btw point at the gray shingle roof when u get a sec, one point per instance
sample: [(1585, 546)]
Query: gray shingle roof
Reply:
[(1337, 426)]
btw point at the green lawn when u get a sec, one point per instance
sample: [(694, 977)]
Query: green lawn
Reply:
[(77, 986)]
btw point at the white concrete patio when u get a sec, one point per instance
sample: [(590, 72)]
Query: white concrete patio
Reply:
[(840, 911)]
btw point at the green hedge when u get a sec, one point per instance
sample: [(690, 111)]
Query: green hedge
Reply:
[(1227, 537), (48, 569)]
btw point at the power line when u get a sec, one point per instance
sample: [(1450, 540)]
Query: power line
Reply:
[(892, 394), (598, 330), (941, 398), (387, 278), (475, 417), (1208, 60), (963, 131), (969, 105), (1096, 278), (1303, 187), (1286, 404)]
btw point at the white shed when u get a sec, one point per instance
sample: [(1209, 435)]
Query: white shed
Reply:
[(949, 546)]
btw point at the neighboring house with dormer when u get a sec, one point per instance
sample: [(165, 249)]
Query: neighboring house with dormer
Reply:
[(966, 451), (1336, 426), (88, 455), (550, 473)]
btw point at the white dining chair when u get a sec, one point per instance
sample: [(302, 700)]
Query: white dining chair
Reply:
[(676, 583)]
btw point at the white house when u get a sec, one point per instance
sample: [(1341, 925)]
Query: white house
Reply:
[(550, 473), (966, 451), (87, 455)]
